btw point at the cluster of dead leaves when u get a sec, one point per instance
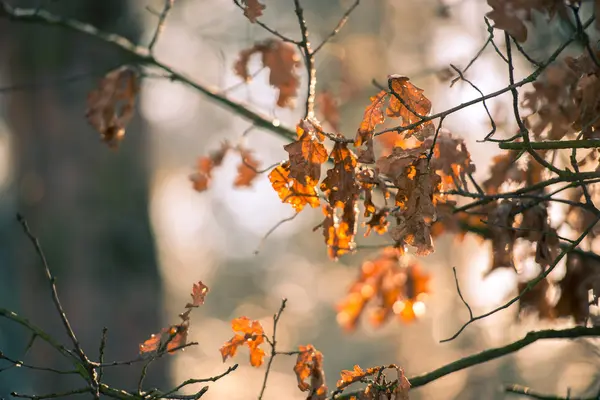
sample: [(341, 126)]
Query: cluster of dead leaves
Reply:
[(565, 100), (174, 337), (282, 60), (415, 175), (379, 386), (582, 277), (391, 287), (247, 169), (111, 106), (309, 366), (309, 372), (511, 15)]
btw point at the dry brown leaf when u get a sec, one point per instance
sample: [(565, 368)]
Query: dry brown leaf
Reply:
[(282, 60), (582, 276), (110, 107), (306, 154), (247, 169), (536, 300), (501, 220), (199, 292), (253, 9), (393, 288), (309, 364), (251, 334), (291, 191), (356, 375), (202, 177)]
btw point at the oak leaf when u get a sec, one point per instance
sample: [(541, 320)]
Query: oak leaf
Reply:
[(199, 292), (536, 300), (253, 9), (282, 60), (373, 116), (110, 107), (394, 288), (306, 154), (582, 276), (309, 364), (290, 190), (251, 334), (356, 375), (247, 169), (201, 178)]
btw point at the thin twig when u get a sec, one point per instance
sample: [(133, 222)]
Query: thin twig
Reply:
[(530, 285), (160, 26), (273, 229), (338, 27), (52, 280), (461, 295), (309, 60), (525, 391), (51, 395), (273, 343), (203, 380)]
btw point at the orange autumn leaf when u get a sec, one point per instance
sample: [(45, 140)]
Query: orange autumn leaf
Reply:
[(168, 339), (356, 375), (408, 102), (202, 177), (247, 169), (199, 292), (175, 336), (394, 288), (306, 154), (110, 107), (253, 9), (339, 231), (282, 60), (151, 344), (372, 117), (309, 364), (251, 334), (290, 190)]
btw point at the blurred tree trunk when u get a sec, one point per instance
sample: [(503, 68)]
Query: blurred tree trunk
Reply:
[(87, 204)]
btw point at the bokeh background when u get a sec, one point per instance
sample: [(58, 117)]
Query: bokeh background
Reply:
[(127, 236)]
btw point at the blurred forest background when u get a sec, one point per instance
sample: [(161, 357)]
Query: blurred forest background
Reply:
[(126, 235)]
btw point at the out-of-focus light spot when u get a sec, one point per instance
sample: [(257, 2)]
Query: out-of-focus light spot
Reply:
[(165, 102), (419, 308), (398, 306), (276, 122), (367, 291), (491, 290)]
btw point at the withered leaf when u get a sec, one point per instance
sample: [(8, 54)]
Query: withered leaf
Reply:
[(253, 9), (309, 364), (356, 375), (306, 154), (199, 292), (251, 334), (501, 220), (282, 60), (291, 191), (393, 288), (110, 107), (582, 276), (247, 169)]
